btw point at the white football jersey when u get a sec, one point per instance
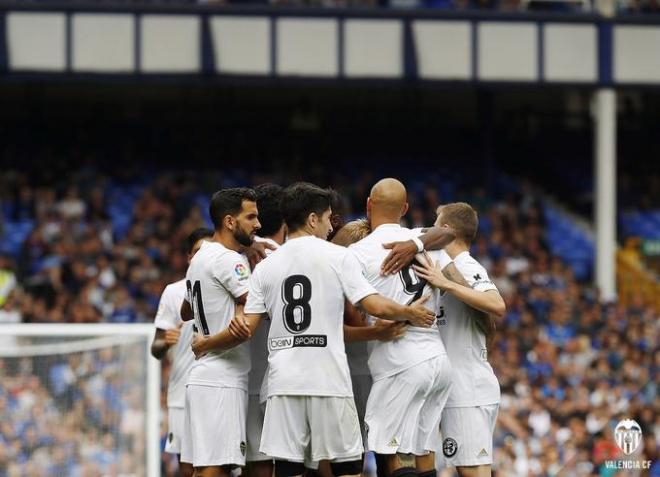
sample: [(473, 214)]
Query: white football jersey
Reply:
[(168, 317), (475, 384), (417, 344), (302, 287), (259, 343), (216, 277)]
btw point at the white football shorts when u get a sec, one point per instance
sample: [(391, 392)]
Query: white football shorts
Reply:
[(175, 422), (214, 426), (311, 428), (467, 435), (404, 410), (255, 423)]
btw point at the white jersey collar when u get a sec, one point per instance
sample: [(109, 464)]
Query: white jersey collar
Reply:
[(387, 226)]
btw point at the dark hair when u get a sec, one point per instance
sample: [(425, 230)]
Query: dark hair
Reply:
[(229, 202), (269, 198), (301, 199), (195, 236), (462, 218)]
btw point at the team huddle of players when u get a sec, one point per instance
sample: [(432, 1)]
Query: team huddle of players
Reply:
[(325, 349)]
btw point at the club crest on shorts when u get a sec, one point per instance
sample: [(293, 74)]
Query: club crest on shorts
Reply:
[(628, 436), (449, 447), (243, 447)]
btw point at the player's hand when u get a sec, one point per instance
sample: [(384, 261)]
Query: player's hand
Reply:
[(401, 255), (172, 336), (256, 252), (239, 328), (431, 272), (419, 314), (389, 330), (198, 345)]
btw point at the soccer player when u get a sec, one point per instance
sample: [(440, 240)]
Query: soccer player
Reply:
[(273, 232), (173, 333), (412, 376), (358, 335), (217, 283), (468, 420), (310, 413)]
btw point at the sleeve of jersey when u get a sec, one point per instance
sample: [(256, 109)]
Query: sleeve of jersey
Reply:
[(166, 317), (474, 274), (233, 273), (442, 259), (353, 283), (255, 300)]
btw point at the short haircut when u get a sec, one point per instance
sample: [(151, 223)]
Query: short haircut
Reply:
[(195, 236), (462, 218), (229, 202), (269, 198), (352, 232), (301, 199)]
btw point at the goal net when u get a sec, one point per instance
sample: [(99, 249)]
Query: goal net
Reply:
[(79, 400)]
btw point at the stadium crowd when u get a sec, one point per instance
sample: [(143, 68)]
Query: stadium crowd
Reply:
[(77, 415), (570, 366)]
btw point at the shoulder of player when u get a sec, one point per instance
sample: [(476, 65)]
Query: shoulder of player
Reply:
[(466, 260), (221, 253), (174, 287)]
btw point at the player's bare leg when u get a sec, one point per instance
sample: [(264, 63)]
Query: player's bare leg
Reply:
[(474, 471), (400, 465), (262, 468), (212, 471), (324, 469), (425, 465), (186, 469)]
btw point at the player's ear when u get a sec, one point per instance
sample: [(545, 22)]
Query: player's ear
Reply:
[(312, 220), (404, 211), (368, 207), (229, 222)]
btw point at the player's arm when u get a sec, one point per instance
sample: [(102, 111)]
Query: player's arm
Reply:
[(382, 330), (186, 311), (353, 316), (256, 252), (489, 301), (382, 307), (485, 321), (168, 325), (163, 340), (229, 337), (403, 253)]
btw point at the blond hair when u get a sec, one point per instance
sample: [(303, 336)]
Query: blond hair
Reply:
[(352, 232)]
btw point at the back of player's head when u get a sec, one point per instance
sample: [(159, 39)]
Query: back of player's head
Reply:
[(269, 198), (462, 218), (388, 197), (352, 232), (195, 236), (301, 199), (229, 202)]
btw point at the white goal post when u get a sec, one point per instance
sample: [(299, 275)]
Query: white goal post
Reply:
[(50, 347)]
